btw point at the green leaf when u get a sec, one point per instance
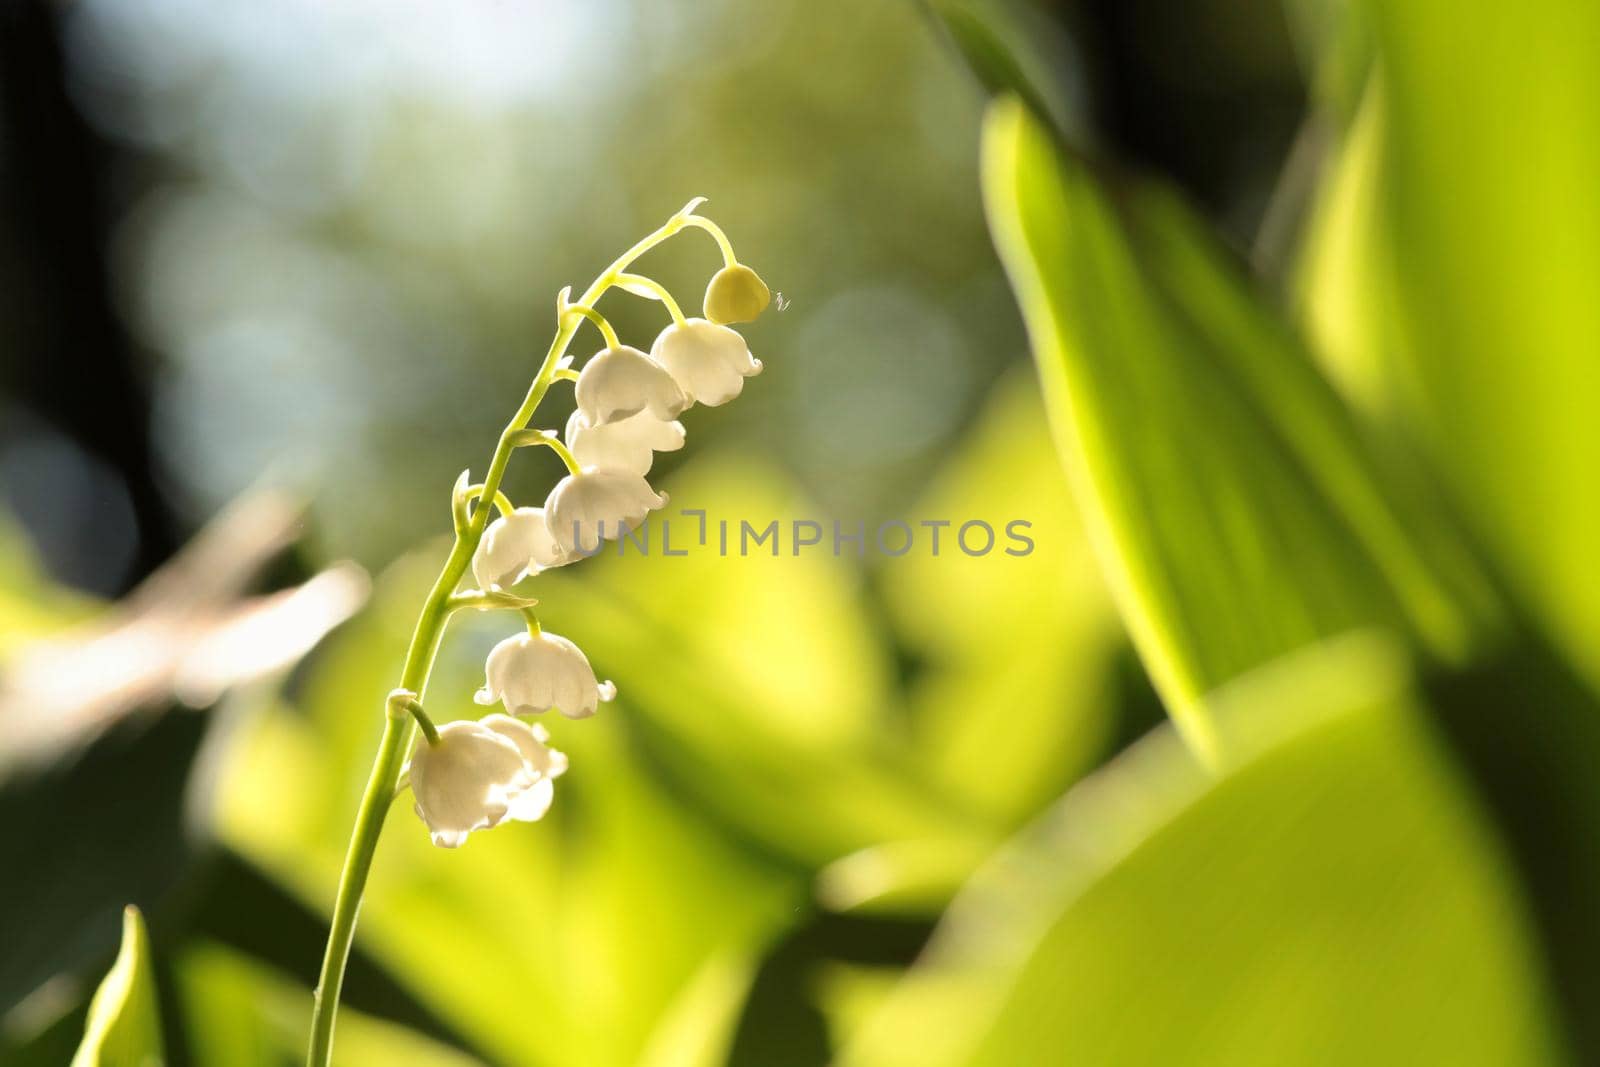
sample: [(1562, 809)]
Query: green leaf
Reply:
[(1237, 511), (1485, 186), (241, 1014), (1015, 47), (124, 1027), (1346, 274), (1331, 897)]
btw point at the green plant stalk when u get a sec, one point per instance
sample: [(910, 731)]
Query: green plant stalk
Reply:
[(425, 638)]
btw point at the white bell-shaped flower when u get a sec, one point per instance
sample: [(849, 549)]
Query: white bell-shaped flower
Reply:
[(623, 381), (533, 741), (597, 504), (628, 444), (514, 547), (529, 673), (468, 780), (708, 361)]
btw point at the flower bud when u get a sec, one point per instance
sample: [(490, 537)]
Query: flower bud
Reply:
[(598, 504), (736, 294), (623, 381), (628, 444), (709, 362), (532, 673)]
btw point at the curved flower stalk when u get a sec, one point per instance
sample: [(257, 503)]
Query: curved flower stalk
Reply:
[(477, 774)]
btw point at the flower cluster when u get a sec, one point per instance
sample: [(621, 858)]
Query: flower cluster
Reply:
[(473, 775)]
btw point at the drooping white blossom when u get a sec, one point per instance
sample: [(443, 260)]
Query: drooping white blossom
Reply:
[(533, 741), (628, 444), (597, 504), (623, 381), (515, 546), (468, 780), (533, 673), (709, 362)]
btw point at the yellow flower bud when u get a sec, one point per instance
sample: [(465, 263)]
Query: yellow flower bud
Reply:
[(736, 294)]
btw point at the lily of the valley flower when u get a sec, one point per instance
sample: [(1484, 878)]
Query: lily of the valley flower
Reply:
[(532, 673), (709, 362), (628, 444), (467, 780), (585, 509), (514, 547), (533, 742), (622, 381)]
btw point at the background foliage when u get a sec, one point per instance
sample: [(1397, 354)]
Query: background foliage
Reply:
[(1278, 748)]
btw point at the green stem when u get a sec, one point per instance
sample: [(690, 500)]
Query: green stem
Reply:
[(728, 258), (600, 322), (436, 611), (548, 439), (502, 503), (424, 723), (571, 461), (662, 293), (363, 843)]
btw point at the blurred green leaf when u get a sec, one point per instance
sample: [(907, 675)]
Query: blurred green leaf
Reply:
[(92, 832), (1014, 46), (1486, 187), (240, 1014), (1236, 508), (761, 684), (1346, 277), (1454, 320), (31, 604), (124, 1026), (1040, 711), (613, 915), (1331, 897), (1334, 43)]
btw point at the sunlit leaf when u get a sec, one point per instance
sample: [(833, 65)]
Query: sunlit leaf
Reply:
[(1331, 897), (242, 1015), (1347, 272), (1236, 511), (124, 1027), (1486, 186), (607, 914)]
